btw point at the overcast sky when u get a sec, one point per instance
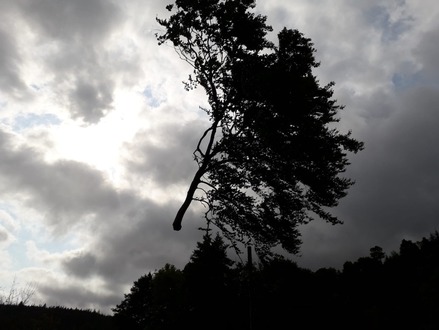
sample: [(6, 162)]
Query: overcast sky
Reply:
[(97, 134)]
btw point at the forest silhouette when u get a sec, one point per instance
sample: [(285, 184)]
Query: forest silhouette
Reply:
[(397, 291)]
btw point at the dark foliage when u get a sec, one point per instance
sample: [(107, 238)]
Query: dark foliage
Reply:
[(135, 309), (207, 283), (271, 159), (21, 317), (400, 291), (170, 298), (155, 301)]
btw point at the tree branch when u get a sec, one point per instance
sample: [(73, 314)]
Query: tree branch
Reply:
[(208, 184), (198, 149), (197, 179)]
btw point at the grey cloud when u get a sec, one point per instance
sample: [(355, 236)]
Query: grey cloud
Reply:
[(70, 20), (4, 235), (10, 79), (396, 190), (131, 235), (400, 178), (428, 54), (170, 161), (137, 241), (76, 32), (89, 100), (134, 242), (82, 265), (392, 29), (67, 191)]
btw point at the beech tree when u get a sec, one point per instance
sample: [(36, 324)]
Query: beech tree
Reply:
[(272, 157)]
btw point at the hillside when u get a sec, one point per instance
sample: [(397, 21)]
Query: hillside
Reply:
[(14, 317)]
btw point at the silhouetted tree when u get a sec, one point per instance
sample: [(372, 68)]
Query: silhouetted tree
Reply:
[(208, 285), (271, 157), (168, 300), (155, 302), (376, 253), (209, 261), (284, 295), (408, 249), (327, 286), (135, 309)]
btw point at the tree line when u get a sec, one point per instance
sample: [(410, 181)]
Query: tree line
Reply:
[(380, 291), (22, 317)]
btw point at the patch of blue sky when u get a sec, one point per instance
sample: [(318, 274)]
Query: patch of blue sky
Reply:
[(19, 254), (16, 249), (8, 209), (391, 29), (395, 30), (151, 98), (19, 249), (402, 81), (35, 87), (30, 120), (409, 76)]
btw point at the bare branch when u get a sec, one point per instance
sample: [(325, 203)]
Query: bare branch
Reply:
[(202, 201), (197, 178), (208, 184), (202, 189), (198, 149)]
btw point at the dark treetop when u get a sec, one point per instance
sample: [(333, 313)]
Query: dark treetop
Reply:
[(272, 157)]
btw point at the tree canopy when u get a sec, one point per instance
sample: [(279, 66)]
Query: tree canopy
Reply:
[(399, 291), (272, 157)]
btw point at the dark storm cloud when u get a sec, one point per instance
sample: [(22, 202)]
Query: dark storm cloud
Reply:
[(397, 174), (400, 171), (138, 241), (397, 185)]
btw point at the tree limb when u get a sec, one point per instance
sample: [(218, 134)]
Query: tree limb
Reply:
[(197, 178)]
